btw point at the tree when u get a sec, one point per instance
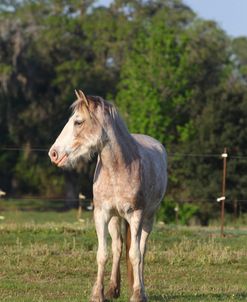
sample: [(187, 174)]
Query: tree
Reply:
[(239, 46), (47, 49), (216, 112), (31, 99), (154, 82)]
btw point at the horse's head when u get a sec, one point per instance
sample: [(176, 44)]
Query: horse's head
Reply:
[(82, 136)]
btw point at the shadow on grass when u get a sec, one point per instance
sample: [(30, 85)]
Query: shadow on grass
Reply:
[(199, 297)]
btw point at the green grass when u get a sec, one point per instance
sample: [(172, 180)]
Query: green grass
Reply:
[(50, 256)]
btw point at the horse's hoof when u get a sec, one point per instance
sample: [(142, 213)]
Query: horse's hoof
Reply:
[(138, 296), (97, 299), (97, 293), (138, 299), (112, 293)]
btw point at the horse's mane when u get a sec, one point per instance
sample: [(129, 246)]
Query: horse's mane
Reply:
[(107, 107)]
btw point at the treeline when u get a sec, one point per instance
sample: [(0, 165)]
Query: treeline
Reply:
[(173, 76)]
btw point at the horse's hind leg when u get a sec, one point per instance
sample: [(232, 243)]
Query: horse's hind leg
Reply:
[(135, 222), (146, 230), (114, 228)]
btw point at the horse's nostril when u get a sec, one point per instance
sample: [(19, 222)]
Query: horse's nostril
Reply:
[(54, 154)]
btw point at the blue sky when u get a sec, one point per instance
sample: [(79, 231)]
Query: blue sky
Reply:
[(231, 15)]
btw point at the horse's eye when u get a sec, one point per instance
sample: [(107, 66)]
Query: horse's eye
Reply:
[(78, 123)]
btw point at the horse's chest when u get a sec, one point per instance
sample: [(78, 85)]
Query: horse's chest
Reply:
[(117, 192)]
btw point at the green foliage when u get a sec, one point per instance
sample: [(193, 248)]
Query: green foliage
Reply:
[(35, 177), (172, 212), (239, 46), (167, 212), (185, 212), (154, 80), (186, 131)]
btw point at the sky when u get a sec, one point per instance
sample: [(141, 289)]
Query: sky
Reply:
[(231, 15)]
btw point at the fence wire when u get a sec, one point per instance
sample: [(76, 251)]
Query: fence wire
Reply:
[(170, 155)]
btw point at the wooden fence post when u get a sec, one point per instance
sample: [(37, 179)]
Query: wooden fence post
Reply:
[(224, 156)]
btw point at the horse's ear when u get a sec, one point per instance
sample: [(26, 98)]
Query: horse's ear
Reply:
[(83, 97), (77, 94)]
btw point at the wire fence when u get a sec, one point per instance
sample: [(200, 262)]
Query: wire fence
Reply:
[(37, 149), (229, 201), (171, 155)]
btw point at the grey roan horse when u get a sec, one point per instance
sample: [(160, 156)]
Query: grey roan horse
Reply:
[(129, 183)]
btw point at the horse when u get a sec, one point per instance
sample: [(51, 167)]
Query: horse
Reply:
[(129, 183)]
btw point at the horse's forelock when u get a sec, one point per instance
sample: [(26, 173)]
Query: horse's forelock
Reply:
[(77, 105), (80, 106), (106, 108)]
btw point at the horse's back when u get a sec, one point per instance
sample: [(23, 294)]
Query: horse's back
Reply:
[(154, 159), (150, 143)]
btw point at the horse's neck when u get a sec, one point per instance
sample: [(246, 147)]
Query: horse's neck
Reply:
[(120, 150)]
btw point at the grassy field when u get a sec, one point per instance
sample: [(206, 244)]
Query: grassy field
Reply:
[(50, 256)]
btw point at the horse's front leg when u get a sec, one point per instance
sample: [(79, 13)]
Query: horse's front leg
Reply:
[(101, 219), (114, 228)]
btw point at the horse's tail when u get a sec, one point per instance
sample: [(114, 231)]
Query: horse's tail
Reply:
[(129, 265)]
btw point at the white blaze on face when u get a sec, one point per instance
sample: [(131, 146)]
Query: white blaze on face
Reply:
[(65, 139), (61, 149)]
